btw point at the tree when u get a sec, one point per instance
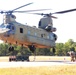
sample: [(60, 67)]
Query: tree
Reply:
[(70, 43), (59, 47), (3, 49)]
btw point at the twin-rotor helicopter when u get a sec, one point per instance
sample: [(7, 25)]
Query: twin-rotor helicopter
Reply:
[(29, 36)]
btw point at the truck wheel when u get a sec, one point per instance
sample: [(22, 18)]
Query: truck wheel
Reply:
[(10, 59)]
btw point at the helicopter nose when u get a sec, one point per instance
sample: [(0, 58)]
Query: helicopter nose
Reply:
[(3, 30)]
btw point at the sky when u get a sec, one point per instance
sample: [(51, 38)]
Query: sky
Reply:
[(65, 24)]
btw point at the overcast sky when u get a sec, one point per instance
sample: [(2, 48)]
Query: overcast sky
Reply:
[(65, 24)]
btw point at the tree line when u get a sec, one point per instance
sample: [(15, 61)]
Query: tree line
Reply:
[(61, 49)]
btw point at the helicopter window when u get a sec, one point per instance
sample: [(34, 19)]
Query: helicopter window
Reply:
[(47, 37), (35, 34), (41, 35), (28, 32), (21, 30)]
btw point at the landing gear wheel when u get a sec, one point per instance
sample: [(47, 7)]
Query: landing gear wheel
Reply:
[(11, 49), (33, 50), (10, 59), (54, 50)]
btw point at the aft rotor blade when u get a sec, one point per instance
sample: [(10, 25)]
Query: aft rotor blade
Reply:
[(31, 10), (37, 13), (22, 6), (66, 11)]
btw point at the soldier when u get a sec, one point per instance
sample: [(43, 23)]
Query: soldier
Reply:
[(72, 55)]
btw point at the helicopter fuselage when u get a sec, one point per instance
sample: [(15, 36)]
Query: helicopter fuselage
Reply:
[(16, 33), (26, 35)]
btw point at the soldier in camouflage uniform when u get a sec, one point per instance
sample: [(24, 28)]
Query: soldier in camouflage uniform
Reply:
[(72, 55)]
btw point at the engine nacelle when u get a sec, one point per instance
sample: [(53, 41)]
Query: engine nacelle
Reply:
[(48, 28)]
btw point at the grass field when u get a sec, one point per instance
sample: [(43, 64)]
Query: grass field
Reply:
[(52, 70)]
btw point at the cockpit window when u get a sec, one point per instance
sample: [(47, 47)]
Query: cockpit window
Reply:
[(8, 26)]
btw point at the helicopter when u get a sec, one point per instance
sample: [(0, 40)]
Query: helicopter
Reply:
[(32, 37)]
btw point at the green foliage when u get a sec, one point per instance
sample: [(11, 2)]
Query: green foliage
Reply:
[(3, 49), (62, 49), (43, 51)]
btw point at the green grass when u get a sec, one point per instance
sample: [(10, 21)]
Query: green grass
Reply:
[(52, 70)]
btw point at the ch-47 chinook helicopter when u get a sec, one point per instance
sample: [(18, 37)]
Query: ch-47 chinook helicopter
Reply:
[(32, 37)]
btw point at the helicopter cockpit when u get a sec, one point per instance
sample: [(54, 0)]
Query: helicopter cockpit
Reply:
[(7, 29)]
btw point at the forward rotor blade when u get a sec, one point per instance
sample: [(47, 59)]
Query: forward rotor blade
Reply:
[(31, 10), (22, 6), (66, 11)]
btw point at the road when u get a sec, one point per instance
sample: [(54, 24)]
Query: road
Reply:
[(34, 64)]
